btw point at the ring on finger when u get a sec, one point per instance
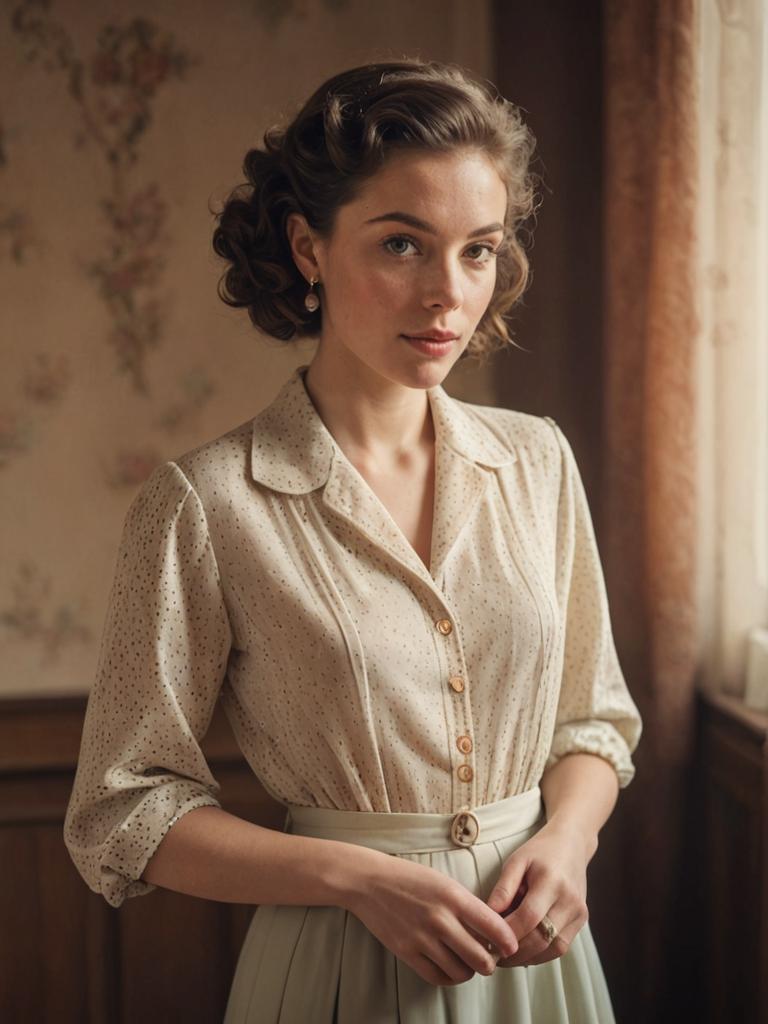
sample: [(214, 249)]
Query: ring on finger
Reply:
[(547, 928)]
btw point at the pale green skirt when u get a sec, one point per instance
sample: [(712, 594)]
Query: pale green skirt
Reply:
[(321, 965)]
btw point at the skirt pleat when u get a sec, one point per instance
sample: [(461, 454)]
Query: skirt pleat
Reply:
[(321, 965)]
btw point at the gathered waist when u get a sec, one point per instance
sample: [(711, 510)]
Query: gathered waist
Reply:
[(409, 832)]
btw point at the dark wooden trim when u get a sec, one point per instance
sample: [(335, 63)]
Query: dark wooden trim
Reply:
[(66, 954), (734, 779)]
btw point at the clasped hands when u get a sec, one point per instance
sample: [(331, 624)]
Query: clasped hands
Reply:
[(545, 875), (446, 934)]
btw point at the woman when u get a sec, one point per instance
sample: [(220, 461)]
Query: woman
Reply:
[(397, 596)]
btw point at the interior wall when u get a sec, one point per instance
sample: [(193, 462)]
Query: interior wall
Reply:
[(548, 61), (119, 124)]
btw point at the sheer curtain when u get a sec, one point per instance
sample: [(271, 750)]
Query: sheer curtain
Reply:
[(685, 458), (733, 225)]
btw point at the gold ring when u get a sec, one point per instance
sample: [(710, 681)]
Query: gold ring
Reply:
[(547, 929)]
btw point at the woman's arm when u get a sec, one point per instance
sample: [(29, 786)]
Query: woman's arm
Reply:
[(215, 855), (427, 919), (580, 793)]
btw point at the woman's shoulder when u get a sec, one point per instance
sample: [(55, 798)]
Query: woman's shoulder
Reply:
[(214, 466), (527, 435)]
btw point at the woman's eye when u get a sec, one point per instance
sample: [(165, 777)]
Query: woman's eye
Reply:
[(491, 252), (394, 241), (404, 240)]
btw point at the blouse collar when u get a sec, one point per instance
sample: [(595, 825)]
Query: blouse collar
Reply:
[(292, 450)]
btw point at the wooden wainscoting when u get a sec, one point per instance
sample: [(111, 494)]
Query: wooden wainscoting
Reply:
[(66, 954), (734, 776)]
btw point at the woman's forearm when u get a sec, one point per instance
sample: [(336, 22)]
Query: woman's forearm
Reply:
[(580, 792), (213, 854)]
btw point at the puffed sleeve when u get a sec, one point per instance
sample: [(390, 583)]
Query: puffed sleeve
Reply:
[(595, 713), (162, 661)]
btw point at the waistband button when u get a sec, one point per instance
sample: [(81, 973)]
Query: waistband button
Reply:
[(465, 828)]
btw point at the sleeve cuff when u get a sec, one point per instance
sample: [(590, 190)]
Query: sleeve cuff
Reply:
[(593, 736), (132, 844)]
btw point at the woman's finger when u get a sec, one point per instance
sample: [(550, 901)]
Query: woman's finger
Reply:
[(454, 964), (537, 949), (487, 926), (510, 886), (427, 969), (473, 948)]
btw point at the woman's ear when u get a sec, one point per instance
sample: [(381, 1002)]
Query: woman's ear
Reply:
[(304, 245)]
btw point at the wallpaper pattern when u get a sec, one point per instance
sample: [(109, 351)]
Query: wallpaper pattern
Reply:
[(119, 124)]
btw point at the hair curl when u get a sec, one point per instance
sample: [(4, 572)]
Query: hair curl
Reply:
[(338, 140)]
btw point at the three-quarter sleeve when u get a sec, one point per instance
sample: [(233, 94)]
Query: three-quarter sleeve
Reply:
[(162, 661), (596, 713)]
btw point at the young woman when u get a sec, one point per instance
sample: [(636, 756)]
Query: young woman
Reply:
[(397, 596)]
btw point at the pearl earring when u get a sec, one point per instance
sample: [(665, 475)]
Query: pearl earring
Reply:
[(311, 301)]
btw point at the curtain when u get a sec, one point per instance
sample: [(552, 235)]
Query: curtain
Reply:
[(649, 494)]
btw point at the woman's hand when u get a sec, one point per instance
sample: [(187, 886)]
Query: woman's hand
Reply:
[(547, 875), (430, 921)]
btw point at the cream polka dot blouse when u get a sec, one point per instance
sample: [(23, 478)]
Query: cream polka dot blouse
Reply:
[(262, 570)]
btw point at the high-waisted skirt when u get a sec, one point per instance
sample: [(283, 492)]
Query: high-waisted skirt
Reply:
[(321, 965)]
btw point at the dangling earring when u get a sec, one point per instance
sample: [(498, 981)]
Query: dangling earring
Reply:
[(311, 301)]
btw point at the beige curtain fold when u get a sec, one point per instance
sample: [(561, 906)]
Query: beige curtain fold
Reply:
[(649, 505)]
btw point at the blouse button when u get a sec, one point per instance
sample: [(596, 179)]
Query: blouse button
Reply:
[(444, 626), (464, 771), (464, 743), (456, 683)]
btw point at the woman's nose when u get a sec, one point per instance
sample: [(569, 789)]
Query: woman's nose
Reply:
[(443, 288)]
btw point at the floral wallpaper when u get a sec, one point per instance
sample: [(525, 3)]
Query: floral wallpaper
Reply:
[(121, 126), (113, 89)]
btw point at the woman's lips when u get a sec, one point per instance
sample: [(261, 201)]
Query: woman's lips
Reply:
[(431, 347)]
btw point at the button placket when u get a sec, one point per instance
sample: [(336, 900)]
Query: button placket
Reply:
[(464, 768)]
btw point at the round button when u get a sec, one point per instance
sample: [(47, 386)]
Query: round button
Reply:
[(465, 828), (444, 626), (456, 683), (465, 773), (464, 743)]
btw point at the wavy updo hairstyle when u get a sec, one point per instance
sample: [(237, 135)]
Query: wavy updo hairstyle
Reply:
[(338, 140)]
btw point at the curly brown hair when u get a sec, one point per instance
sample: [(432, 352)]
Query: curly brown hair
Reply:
[(319, 161)]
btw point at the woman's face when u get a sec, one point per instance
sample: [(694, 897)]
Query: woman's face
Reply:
[(411, 254)]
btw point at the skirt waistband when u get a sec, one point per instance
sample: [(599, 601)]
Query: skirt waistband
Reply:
[(405, 832)]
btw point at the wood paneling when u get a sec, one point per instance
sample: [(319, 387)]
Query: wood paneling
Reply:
[(66, 954), (734, 773)]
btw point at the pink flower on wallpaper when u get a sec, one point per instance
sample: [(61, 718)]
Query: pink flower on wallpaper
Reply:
[(105, 69), (133, 273), (32, 616), (114, 90), (150, 69), (133, 61), (15, 225), (196, 389), (130, 467), (116, 107), (139, 218), (48, 378), (136, 329), (17, 434)]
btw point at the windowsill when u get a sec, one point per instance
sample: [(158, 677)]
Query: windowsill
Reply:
[(734, 707)]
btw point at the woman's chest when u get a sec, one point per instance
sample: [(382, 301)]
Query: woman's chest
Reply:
[(320, 605), (408, 497)]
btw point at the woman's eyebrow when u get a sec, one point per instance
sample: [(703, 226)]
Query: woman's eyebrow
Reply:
[(416, 222)]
